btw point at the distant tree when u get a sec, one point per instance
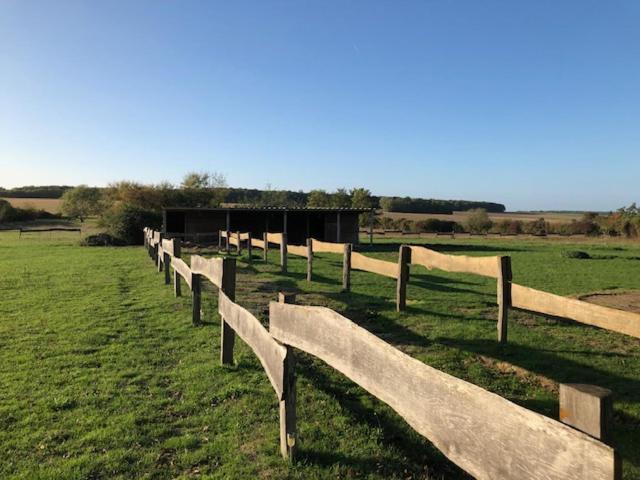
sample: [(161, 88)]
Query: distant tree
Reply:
[(204, 180), (479, 221), (318, 198), (361, 198), (341, 198), (81, 202)]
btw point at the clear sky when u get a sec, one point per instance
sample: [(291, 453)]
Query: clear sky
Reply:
[(535, 104)]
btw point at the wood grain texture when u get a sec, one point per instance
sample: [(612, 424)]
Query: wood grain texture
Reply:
[(182, 269), (327, 247), (486, 266), (244, 236), (608, 318), (300, 250), (211, 268), (485, 434), (270, 353), (373, 265)]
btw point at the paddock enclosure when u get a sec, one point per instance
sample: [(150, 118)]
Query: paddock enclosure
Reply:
[(486, 435)]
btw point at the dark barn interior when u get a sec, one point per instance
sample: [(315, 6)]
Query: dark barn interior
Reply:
[(327, 224)]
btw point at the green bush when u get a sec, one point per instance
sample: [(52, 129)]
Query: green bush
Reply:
[(125, 222), (576, 254), (101, 240)]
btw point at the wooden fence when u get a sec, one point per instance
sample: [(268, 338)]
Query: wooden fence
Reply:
[(485, 434)]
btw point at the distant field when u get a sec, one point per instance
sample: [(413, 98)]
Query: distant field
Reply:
[(461, 217), (49, 204)]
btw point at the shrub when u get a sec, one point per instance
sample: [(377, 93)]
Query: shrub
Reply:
[(479, 221), (433, 225), (101, 240), (576, 254), (125, 222), (9, 213)]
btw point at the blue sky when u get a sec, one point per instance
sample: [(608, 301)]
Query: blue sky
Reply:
[(533, 104)]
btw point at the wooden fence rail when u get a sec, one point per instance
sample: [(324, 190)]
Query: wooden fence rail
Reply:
[(608, 318), (485, 434)]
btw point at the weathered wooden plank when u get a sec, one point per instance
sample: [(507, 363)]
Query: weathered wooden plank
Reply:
[(168, 247), (374, 265), (327, 247), (486, 266), (288, 428), (256, 242), (404, 259), (346, 267), (182, 269), (270, 353), (227, 335), (211, 268), (274, 238), (300, 250), (608, 318), (588, 408), (485, 434), (244, 236), (233, 240)]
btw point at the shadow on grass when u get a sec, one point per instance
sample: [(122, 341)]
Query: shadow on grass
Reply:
[(557, 367), (417, 456)]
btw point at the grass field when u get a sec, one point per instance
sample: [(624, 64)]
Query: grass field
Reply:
[(103, 375), (461, 217), (51, 205)]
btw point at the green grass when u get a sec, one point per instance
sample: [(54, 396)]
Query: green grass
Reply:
[(103, 376)]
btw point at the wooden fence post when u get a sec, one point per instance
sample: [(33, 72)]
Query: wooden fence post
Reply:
[(159, 258), (266, 245), (167, 270), (504, 296), (219, 240), (227, 335), (346, 267), (588, 408), (239, 246), (249, 250), (288, 401), (404, 259), (228, 242), (283, 253), (196, 294), (309, 259), (177, 253)]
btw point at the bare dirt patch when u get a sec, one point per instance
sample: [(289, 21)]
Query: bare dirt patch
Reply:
[(629, 301)]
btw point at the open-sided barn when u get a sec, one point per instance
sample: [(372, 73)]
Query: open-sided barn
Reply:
[(326, 224)]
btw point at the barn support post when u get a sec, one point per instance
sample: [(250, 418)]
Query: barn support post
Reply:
[(338, 227), (504, 296), (177, 253), (404, 259), (227, 335), (309, 259), (249, 249), (283, 253), (346, 267), (371, 216), (288, 401), (228, 244), (239, 250)]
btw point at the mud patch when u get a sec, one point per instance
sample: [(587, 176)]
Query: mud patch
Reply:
[(629, 301)]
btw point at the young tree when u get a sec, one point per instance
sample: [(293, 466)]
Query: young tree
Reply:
[(479, 221), (341, 199), (81, 202)]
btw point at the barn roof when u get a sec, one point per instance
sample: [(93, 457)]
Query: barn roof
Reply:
[(268, 209)]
